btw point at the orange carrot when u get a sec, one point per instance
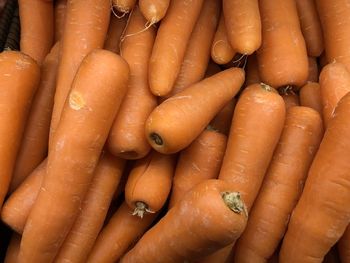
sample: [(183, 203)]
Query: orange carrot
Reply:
[(114, 33), (313, 70), (167, 128), (76, 147), (252, 71), (282, 185), (154, 10), (310, 96), (344, 247), (60, 9), (222, 120), (13, 249), (290, 98), (124, 6)]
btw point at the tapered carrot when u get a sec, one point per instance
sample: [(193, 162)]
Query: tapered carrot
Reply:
[(19, 78), (37, 28), (84, 232), (320, 217), (310, 26), (344, 246), (85, 29), (198, 162), (60, 10), (96, 94), (124, 6), (167, 128), (310, 96), (127, 137), (171, 43), (5, 20), (13, 249), (334, 84), (122, 230), (252, 71), (222, 120), (313, 69), (208, 218), (34, 144), (282, 185), (243, 24), (283, 62), (149, 183), (154, 10), (114, 33), (251, 143), (221, 49), (289, 96)]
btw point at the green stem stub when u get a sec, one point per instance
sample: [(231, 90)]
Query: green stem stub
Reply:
[(234, 201), (156, 138)]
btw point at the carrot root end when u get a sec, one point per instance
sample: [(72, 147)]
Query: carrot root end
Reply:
[(156, 138)]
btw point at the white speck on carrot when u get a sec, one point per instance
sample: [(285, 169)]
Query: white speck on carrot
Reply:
[(76, 101)]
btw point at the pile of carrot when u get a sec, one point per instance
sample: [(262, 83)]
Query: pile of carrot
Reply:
[(174, 131)]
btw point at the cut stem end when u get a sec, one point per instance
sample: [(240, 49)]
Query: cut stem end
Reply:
[(141, 209), (234, 202), (156, 138)]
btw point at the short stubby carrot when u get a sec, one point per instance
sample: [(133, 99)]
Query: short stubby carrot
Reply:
[(154, 10), (310, 96)]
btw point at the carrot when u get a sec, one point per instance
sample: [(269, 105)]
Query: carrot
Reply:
[(313, 70), (13, 249), (13, 37), (251, 143), (252, 71), (310, 96), (212, 69), (115, 31), (282, 57), (154, 10), (127, 137), (94, 98), (170, 45), (290, 98), (149, 183), (334, 84), (208, 218), (310, 27), (37, 28), (323, 60), (122, 230), (343, 246), (320, 217), (84, 232), (243, 24), (167, 127), (34, 144), (19, 78), (5, 21), (282, 185), (124, 6), (335, 19), (222, 120), (60, 9), (85, 29), (221, 49), (198, 162)]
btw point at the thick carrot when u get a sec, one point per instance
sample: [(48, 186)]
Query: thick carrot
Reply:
[(84, 232), (199, 161), (19, 78), (127, 137), (96, 94), (5, 21), (252, 71), (122, 230), (243, 24), (171, 43), (208, 218), (222, 120), (251, 143), (282, 57), (60, 9), (13, 249), (149, 183), (289, 96), (221, 49), (313, 69), (124, 6), (154, 10), (320, 217), (85, 29), (344, 246), (310, 27), (167, 128), (114, 33), (310, 96), (34, 143), (37, 28), (282, 185), (334, 84)]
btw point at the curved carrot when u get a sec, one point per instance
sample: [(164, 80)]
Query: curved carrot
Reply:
[(313, 70), (344, 247), (243, 24), (282, 185), (198, 162), (282, 57), (290, 98), (310, 96), (221, 50), (252, 71), (37, 28), (127, 136), (5, 20), (76, 147), (170, 45), (121, 231), (167, 128), (13, 249), (124, 6), (208, 218), (154, 10), (60, 10), (114, 33), (222, 120), (149, 183), (34, 143), (318, 223), (310, 27), (19, 79)]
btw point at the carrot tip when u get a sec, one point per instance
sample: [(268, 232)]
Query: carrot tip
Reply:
[(234, 201), (156, 138), (267, 87), (140, 209)]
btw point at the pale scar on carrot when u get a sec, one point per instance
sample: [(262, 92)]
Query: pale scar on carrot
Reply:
[(76, 101)]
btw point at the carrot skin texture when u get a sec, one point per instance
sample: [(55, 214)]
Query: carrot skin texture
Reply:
[(60, 10), (19, 79), (167, 120), (310, 96), (106, 74), (243, 24), (124, 6), (127, 136), (154, 10), (13, 249), (114, 33), (282, 186), (319, 220), (170, 45), (313, 70), (193, 228)]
